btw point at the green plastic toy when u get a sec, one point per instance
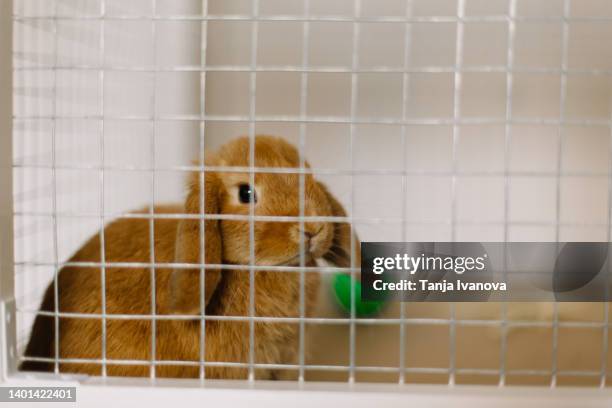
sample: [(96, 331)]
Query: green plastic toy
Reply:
[(342, 290)]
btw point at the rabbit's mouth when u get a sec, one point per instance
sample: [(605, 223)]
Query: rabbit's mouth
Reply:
[(295, 260)]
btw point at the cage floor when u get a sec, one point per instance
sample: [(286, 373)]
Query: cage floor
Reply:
[(577, 357)]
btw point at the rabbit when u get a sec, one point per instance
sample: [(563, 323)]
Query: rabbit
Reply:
[(177, 290)]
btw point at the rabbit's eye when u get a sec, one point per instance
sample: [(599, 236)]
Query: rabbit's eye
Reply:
[(245, 192)]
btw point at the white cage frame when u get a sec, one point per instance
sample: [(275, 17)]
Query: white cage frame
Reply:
[(259, 393)]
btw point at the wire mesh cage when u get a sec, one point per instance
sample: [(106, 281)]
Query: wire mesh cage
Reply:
[(428, 120)]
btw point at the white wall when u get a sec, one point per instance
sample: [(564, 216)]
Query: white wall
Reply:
[(40, 95), (480, 149)]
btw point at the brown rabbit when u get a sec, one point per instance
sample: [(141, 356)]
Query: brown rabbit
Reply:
[(128, 289)]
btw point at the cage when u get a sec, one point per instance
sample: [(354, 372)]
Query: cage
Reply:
[(429, 120)]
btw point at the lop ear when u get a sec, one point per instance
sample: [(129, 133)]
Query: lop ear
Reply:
[(340, 252), (184, 283)]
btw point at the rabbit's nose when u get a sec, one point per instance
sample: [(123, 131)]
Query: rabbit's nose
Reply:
[(309, 234), (307, 237), (311, 231)]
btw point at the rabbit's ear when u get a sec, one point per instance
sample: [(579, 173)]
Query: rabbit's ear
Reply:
[(184, 283), (339, 253)]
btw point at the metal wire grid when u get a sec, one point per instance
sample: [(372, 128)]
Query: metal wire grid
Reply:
[(352, 120), (507, 136), (252, 104), (102, 241), (564, 52), (302, 192), (203, 51)]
